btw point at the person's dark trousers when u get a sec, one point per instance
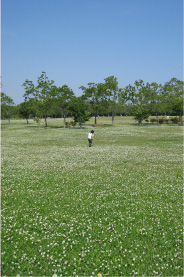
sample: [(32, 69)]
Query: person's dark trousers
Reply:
[(90, 142)]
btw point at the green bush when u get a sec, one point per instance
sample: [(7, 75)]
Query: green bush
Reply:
[(153, 120), (174, 120), (161, 121)]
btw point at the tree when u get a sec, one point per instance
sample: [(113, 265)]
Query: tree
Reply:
[(24, 111), (129, 92), (30, 109), (95, 95), (140, 112), (79, 110), (29, 89), (30, 96), (127, 98), (103, 105), (63, 95), (141, 93), (172, 97), (177, 107), (141, 100), (122, 99), (42, 93), (6, 105), (112, 92), (153, 95)]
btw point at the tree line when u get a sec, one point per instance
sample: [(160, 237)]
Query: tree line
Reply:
[(140, 100)]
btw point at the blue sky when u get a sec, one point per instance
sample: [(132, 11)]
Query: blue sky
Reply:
[(80, 41)]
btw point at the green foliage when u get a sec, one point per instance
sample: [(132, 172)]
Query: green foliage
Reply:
[(175, 120), (63, 95), (96, 95), (42, 94), (70, 123), (102, 99), (24, 110), (172, 96), (140, 112), (112, 92), (79, 110), (6, 106)]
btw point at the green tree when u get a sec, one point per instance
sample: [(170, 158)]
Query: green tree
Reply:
[(112, 92), (172, 97), (30, 96), (24, 110), (128, 99), (129, 92), (141, 100), (30, 90), (122, 99), (6, 106), (63, 96), (42, 93), (103, 98), (79, 109), (141, 93), (153, 95), (29, 109), (95, 94), (140, 112), (177, 107)]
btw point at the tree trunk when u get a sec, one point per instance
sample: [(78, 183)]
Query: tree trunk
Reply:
[(113, 118), (95, 119), (157, 118), (64, 121), (45, 121), (140, 121)]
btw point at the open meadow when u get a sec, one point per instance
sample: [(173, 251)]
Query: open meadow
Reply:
[(114, 209)]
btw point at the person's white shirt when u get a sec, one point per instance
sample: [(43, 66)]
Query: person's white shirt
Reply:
[(90, 136)]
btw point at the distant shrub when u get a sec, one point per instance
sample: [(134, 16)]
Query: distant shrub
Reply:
[(181, 122), (67, 123), (98, 125), (161, 121), (166, 121), (174, 120), (73, 123), (70, 123), (153, 120)]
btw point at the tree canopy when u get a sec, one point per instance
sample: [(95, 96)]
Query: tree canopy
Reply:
[(139, 99)]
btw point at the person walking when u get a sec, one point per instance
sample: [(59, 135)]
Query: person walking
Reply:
[(90, 137)]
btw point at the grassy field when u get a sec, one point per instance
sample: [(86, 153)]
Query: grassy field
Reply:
[(113, 209)]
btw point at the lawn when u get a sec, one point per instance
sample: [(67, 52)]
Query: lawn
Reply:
[(113, 209)]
